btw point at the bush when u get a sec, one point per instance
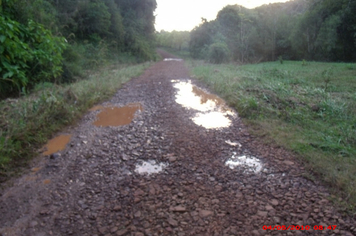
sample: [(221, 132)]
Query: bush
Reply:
[(29, 54), (218, 53)]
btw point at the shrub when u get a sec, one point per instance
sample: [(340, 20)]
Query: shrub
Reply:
[(218, 53), (29, 54)]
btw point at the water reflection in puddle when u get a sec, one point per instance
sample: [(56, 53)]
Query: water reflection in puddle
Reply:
[(249, 162), (213, 110), (172, 59), (212, 120), (234, 144), (57, 144), (150, 167), (116, 116)]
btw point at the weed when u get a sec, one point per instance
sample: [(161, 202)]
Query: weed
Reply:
[(280, 58)]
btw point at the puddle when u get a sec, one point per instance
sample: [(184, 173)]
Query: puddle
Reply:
[(234, 144), (249, 162), (150, 167), (212, 120), (57, 144), (172, 59), (213, 110), (116, 116)]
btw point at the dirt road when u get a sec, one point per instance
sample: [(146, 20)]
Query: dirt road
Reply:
[(205, 178)]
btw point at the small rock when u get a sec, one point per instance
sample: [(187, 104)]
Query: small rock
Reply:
[(262, 213), (215, 201), (135, 153), (55, 155), (121, 232), (124, 157), (172, 158), (255, 232), (33, 223), (172, 222), (205, 213), (139, 192), (274, 202), (289, 163), (102, 230), (178, 209)]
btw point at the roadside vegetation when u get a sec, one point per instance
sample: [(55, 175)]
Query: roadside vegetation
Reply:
[(58, 58), (28, 122), (306, 107), (56, 41)]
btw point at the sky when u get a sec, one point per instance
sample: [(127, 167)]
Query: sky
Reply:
[(184, 15)]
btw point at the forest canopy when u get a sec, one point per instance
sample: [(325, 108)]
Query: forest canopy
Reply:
[(323, 30), (52, 40)]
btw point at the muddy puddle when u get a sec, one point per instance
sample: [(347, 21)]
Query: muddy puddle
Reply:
[(250, 163), (150, 167), (56, 144), (213, 113), (116, 116), (172, 59)]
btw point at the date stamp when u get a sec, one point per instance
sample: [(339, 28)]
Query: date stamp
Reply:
[(299, 227)]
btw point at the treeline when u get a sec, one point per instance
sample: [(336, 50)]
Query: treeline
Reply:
[(323, 30), (178, 40), (53, 40)]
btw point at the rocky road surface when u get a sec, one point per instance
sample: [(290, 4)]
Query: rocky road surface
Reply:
[(93, 186)]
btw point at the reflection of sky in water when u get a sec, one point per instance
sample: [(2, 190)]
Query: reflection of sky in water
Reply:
[(233, 143), (172, 59), (249, 162), (212, 120), (149, 167), (213, 110)]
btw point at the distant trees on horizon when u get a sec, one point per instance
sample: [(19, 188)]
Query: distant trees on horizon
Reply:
[(323, 30)]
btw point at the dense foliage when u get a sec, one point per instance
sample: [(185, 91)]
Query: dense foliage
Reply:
[(312, 30), (52, 40), (177, 40)]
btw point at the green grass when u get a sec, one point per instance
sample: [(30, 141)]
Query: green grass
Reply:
[(308, 108), (28, 122)]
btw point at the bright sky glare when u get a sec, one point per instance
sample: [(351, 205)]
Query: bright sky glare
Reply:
[(183, 15)]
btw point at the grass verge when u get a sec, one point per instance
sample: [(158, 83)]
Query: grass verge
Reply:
[(26, 123), (309, 108)]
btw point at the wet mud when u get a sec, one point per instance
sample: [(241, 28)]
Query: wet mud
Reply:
[(56, 144), (116, 116)]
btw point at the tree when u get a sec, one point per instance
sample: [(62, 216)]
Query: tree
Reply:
[(93, 20)]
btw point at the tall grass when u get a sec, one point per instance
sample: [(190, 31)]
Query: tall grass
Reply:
[(308, 109), (26, 123)]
